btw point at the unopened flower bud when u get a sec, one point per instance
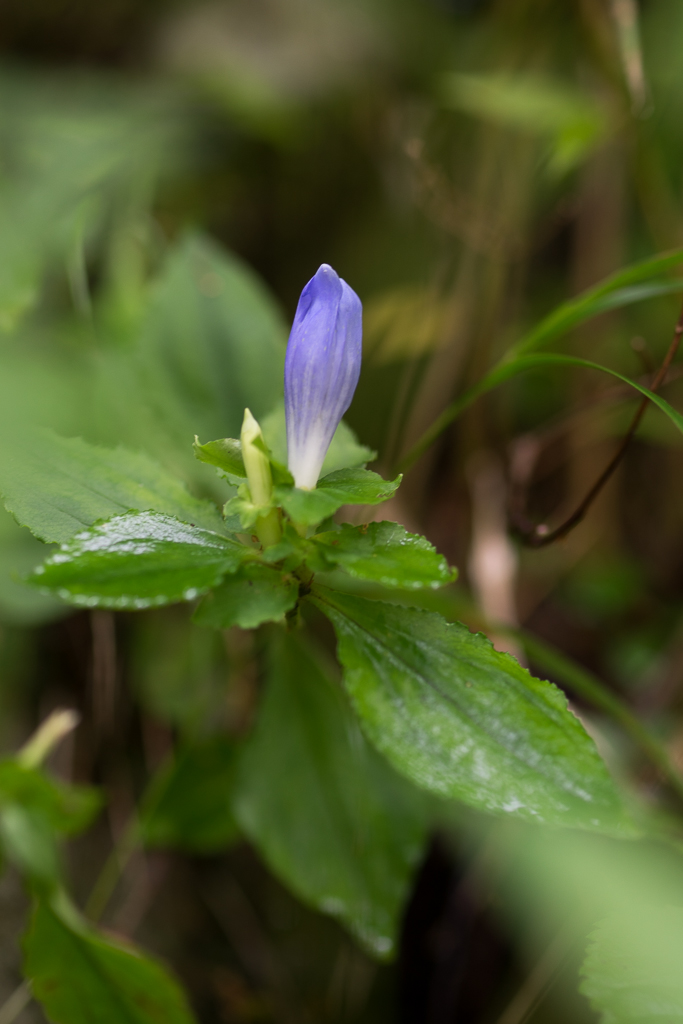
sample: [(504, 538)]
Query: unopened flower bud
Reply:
[(260, 479), (322, 367)]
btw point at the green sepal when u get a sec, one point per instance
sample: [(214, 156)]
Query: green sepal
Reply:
[(295, 550), (343, 487), (383, 553), (255, 594), (226, 455), (244, 509), (290, 551)]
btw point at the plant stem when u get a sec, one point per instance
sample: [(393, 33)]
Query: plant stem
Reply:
[(13, 1006), (537, 536), (114, 866)]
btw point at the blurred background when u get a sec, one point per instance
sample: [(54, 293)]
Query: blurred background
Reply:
[(171, 174)]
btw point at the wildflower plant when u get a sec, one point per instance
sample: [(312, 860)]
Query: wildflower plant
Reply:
[(336, 785)]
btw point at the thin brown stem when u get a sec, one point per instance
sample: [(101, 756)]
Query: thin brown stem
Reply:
[(540, 536)]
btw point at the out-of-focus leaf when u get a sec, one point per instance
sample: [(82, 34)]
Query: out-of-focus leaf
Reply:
[(56, 486), (466, 721), (139, 560), (189, 806), (255, 594), (328, 814), (28, 841), (180, 672), (344, 487), (68, 809), (345, 451), (623, 289), (81, 977), (33, 808), (21, 605), (72, 150), (632, 970), (570, 118), (385, 553), (213, 343)]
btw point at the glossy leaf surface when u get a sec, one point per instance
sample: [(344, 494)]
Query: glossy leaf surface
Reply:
[(331, 818), (137, 561), (189, 807), (466, 721), (80, 977), (343, 487), (255, 594), (56, 486), (385, 553)]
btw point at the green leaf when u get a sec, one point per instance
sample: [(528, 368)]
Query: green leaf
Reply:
[(68, 809), (343, 487), (188, 806), (466, 721), (213, 342), (345, 452), (28, 842), (21, 605), (139, 560), (80, 977), (242, 510), (632, 971), (225, 455), (57, 486), (33, 808), (329, 815), (180, 673), (255, 594), (385, 553), (627, 286), (506, 370)]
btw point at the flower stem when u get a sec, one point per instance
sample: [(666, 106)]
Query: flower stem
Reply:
[(268, 529)]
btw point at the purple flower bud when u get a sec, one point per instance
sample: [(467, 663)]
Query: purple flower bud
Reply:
[(321, 370)]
